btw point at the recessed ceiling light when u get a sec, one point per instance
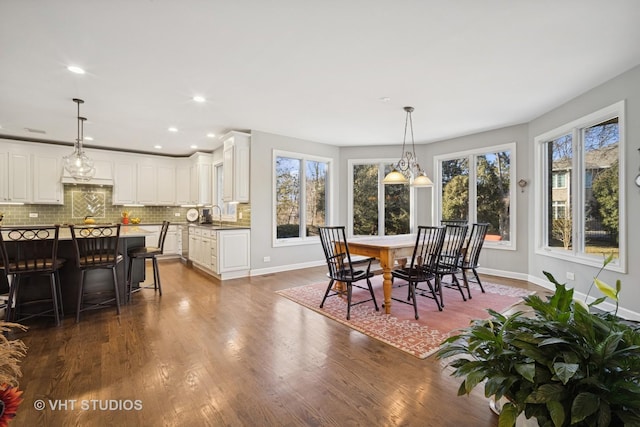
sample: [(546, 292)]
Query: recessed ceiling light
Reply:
[(194, 147), (211, 135), (385, 99), (75, 69), (157, 147), (199, 98), (173, 129), (88, 138)]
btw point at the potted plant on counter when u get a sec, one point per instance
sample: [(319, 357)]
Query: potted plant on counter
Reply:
[(562, 363)]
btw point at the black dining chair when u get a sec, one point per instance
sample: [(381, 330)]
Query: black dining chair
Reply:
[(26, 253), (422, 268), (454, 222), (96, 248), (470, 260), (148, 252), (341, 268), (450, 257)]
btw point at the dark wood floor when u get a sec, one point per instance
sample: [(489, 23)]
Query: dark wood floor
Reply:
[(231, 354)]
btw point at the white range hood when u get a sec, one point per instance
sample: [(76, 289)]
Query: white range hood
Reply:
[(103, 176)]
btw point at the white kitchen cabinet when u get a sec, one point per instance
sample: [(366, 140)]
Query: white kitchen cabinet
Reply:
[(171, 243), (15, 177), (47, 186), (144, 180), (236, 163), (201, 189), (183, 183), (224, 254), (234, 252)]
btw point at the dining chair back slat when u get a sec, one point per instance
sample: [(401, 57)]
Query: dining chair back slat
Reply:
[(423, 267), (342, 269), (470, 261)]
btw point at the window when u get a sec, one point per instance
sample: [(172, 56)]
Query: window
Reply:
[(476, 186), (559, 179), (377, 209), (301, 198), (582, 219)]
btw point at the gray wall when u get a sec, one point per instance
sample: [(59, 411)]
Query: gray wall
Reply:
[(624, 87)]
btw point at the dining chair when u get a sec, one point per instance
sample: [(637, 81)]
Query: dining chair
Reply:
[(449, 261), (27, 252), (422, 268), (472, 254), (341, 268), (454, 222), (148, 252), (96, 248)]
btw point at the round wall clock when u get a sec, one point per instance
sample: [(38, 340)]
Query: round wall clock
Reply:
[(192, 215), (638, 180)]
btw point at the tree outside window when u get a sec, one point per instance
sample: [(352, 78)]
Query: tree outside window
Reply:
[(373, 201), (479, 194), (301, 196)]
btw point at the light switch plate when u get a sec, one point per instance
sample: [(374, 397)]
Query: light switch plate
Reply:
[(33, 214)]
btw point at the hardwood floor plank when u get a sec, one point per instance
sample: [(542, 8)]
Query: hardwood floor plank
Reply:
[(232, 354)]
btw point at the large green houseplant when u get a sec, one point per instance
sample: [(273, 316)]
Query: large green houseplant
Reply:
[(563, 362)]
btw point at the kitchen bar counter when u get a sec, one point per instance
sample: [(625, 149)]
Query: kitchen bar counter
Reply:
[(70, 275)]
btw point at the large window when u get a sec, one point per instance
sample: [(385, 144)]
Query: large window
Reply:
[(580, 216), (476, 186), (377, 209), (301, 196)]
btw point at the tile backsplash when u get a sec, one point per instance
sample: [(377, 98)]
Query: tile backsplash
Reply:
[(88, 200)]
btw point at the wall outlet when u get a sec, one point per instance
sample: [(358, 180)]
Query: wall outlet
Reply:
[(176, 214), (239, 215), (33, 214), (571, 276), (266, 259)]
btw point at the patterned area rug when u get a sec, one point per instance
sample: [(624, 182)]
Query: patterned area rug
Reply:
[(400, 329)]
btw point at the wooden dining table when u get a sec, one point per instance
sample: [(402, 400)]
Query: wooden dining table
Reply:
[(386, 249)]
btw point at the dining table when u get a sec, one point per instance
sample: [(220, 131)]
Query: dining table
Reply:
[(387, 249)]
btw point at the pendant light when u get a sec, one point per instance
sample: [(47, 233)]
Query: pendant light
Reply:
[(408, 165), (78, 164)]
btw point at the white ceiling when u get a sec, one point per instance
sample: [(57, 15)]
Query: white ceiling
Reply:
[(315, 70)]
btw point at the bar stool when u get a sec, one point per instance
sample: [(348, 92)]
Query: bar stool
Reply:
[(145, 253), (28, 252), (96, 248)]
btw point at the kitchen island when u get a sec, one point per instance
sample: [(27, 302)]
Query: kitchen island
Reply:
[(70, 275)]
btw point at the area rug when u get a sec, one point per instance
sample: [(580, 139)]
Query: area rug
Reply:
[(400, 329)]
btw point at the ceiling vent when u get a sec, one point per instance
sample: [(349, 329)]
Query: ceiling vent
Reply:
[(42, 132)]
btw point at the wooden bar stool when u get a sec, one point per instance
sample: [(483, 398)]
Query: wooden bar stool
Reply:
[(28, 252), (96, 248), (145, 253)]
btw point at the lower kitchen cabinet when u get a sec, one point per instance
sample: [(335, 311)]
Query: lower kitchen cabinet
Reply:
[(223, 253)]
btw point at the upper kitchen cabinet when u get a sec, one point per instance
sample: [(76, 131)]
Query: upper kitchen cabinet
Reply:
[(236, 158), (15, 176), (144, 180), (47, 185), (183, 182), (201, 190)]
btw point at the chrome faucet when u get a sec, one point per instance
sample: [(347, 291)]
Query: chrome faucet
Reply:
[(219, 214)]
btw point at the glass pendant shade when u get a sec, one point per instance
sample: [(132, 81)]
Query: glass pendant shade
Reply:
[(78, 164), (395, 177), (422, 180)]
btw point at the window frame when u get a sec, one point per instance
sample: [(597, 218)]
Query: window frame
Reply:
[(381, 219), (471, 156), (304, 239), (576, 203)]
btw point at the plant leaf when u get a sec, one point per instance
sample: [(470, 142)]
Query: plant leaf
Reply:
[(556, 410), (508, 415), (584, 405), (527, 370), (565, 371)]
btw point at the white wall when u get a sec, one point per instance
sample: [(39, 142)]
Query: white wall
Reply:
[(624, 87)]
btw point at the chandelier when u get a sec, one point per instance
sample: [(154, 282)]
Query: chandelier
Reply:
[(79, 166), (408, 165)]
